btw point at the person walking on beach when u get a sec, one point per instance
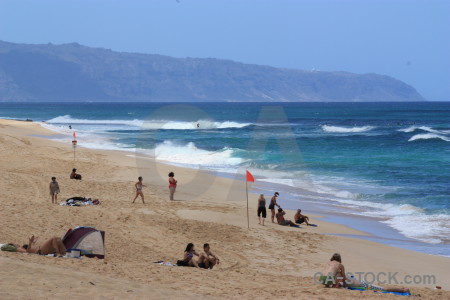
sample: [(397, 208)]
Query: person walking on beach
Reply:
[(262, 209), (172, 185), (138, 185), (273, 203), (54, 190)]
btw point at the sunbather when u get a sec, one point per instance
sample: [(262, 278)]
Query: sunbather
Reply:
[(188, 257), (207, 260), (299, 218), (334, 276), (282, 221), (74, 175), (53, 245)]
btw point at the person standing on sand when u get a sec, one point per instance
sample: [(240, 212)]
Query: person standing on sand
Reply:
[(138, 185), (262, 208), (172, 185), (273, 203), (54, 190)]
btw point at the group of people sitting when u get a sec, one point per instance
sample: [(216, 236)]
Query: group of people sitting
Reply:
[(298, 217), (206, 259)]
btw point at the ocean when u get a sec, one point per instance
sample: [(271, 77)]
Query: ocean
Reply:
[(385, 164)]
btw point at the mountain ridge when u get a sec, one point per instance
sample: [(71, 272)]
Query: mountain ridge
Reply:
[(73, 72)]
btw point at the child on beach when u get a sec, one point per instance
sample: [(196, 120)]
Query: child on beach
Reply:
[(54, 190), (172, 185), (138, 185)]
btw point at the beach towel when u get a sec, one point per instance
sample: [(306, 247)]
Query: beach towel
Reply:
[(383, 292), (165, 263)]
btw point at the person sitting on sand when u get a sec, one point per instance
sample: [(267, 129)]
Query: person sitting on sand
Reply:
[(188, 257), (262, 208), (207, 260), (299, 218), (74, 174), (172, 185), (138, 185), (282, 221), (54, 190), (334, 276), (273, 203), (53, 245)]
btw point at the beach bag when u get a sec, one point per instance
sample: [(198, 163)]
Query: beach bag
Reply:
[(9, 248)]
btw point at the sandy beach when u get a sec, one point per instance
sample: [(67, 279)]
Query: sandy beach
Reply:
[(269, 261)]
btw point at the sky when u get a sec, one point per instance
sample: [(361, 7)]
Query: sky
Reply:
[(406, 39)]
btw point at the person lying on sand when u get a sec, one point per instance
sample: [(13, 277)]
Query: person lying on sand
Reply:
[(53, 245), (334, 276), (188, 257), (138, 185), (282, 221), (207, 260), (299, 218), (74, 174)]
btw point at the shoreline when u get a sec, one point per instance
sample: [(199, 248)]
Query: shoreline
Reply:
[(138, 234), (369, 227)]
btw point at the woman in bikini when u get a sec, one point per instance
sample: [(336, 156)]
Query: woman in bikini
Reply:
[(188, 257), (172, 185), (273, 203), (138, 185)]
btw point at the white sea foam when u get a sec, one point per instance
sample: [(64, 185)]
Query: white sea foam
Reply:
[(150, 124), (67, 119), (189, 154), (337, 129), (427, 136), (428, 228), (424, 128)]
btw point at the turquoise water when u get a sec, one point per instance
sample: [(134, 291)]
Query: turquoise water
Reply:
[(387, 160)]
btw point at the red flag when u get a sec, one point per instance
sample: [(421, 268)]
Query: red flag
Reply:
[(74, 135), (250, 177)]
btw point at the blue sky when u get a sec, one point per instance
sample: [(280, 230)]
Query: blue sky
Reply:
[(405, 39)]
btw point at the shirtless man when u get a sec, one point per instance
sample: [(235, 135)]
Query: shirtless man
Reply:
[(299, 218), (52, 245), (282, 221), (207, 260), (138, 185), (334, 276)]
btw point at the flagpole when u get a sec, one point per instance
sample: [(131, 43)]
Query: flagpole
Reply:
[(246, 192)]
